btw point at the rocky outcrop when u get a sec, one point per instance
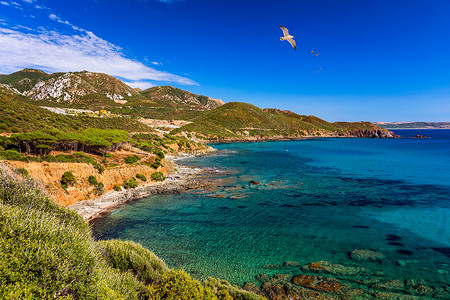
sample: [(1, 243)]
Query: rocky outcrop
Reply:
[(366, 133)]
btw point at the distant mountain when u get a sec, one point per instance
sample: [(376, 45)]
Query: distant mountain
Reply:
[(97, 91), (174, 97), (244, 121), (414, 125), (68, 87)]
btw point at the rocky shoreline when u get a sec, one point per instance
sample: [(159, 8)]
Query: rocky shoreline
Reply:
[(183, 179), (362, 133)]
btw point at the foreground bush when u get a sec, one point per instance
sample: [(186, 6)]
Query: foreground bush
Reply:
[(130, 256), (178, 285), (47, 252)]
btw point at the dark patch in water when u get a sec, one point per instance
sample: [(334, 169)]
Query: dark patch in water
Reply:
[(395, 244), (241, 206), (223, 207), (442, 250), (313, 204), (288, 205), (361, 226), (393, 238), (405, 252)]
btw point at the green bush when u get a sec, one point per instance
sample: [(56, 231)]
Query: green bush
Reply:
[(67, 179), (117, 187), (11, 155), (129, 256), (131, 159), (156, 163), (99, 188), (158, 176), (108, 155), (178, 285), (141, 177), (22, 171), (92, 180), (130, 183), (221, 287), (158, 152)]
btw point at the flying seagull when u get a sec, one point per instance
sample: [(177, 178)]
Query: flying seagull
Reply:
[(314, 55), (288, 37)]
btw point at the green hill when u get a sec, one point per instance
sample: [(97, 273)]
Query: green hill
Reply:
[(236, 120)]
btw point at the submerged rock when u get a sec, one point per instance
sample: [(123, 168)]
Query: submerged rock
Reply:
[(391, 285), (255, 182), (271, 266), (262, 278), (366, 255), (355, 274), (291, 264), (319, 283), (252, 287), (418, 287), (283, 278)]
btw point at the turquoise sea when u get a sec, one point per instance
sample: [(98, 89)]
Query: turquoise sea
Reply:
[(304, 201)]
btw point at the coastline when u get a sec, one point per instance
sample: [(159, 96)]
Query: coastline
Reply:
[(183, 179)]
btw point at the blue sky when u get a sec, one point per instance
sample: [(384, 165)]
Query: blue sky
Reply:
[(383, 60)]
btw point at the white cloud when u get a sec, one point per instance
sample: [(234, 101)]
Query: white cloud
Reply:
[(28, 1), (55, 52), (155, 63), (4, 3)]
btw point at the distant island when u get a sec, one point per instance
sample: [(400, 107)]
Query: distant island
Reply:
[(414, 125)]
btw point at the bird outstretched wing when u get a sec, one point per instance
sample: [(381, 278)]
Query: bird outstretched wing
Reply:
[(285, 31), (292, 43)]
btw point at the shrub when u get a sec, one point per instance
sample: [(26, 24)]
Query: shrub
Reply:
[(117, 187), (130, 256), (130, 183), (223, 287), (158, 176), (158, 152), (141, 177), (99, 188), (67, 179), (108, 155), (92, 180), (131, 159), (22, 171), (11, 155), (178, 285), (156, 163), (99, 167)]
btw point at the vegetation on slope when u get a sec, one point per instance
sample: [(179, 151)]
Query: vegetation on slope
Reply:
[(16, 115), (241, 120), (48, 252), (95, 91)]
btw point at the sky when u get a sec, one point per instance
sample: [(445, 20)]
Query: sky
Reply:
[(379, 60)]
